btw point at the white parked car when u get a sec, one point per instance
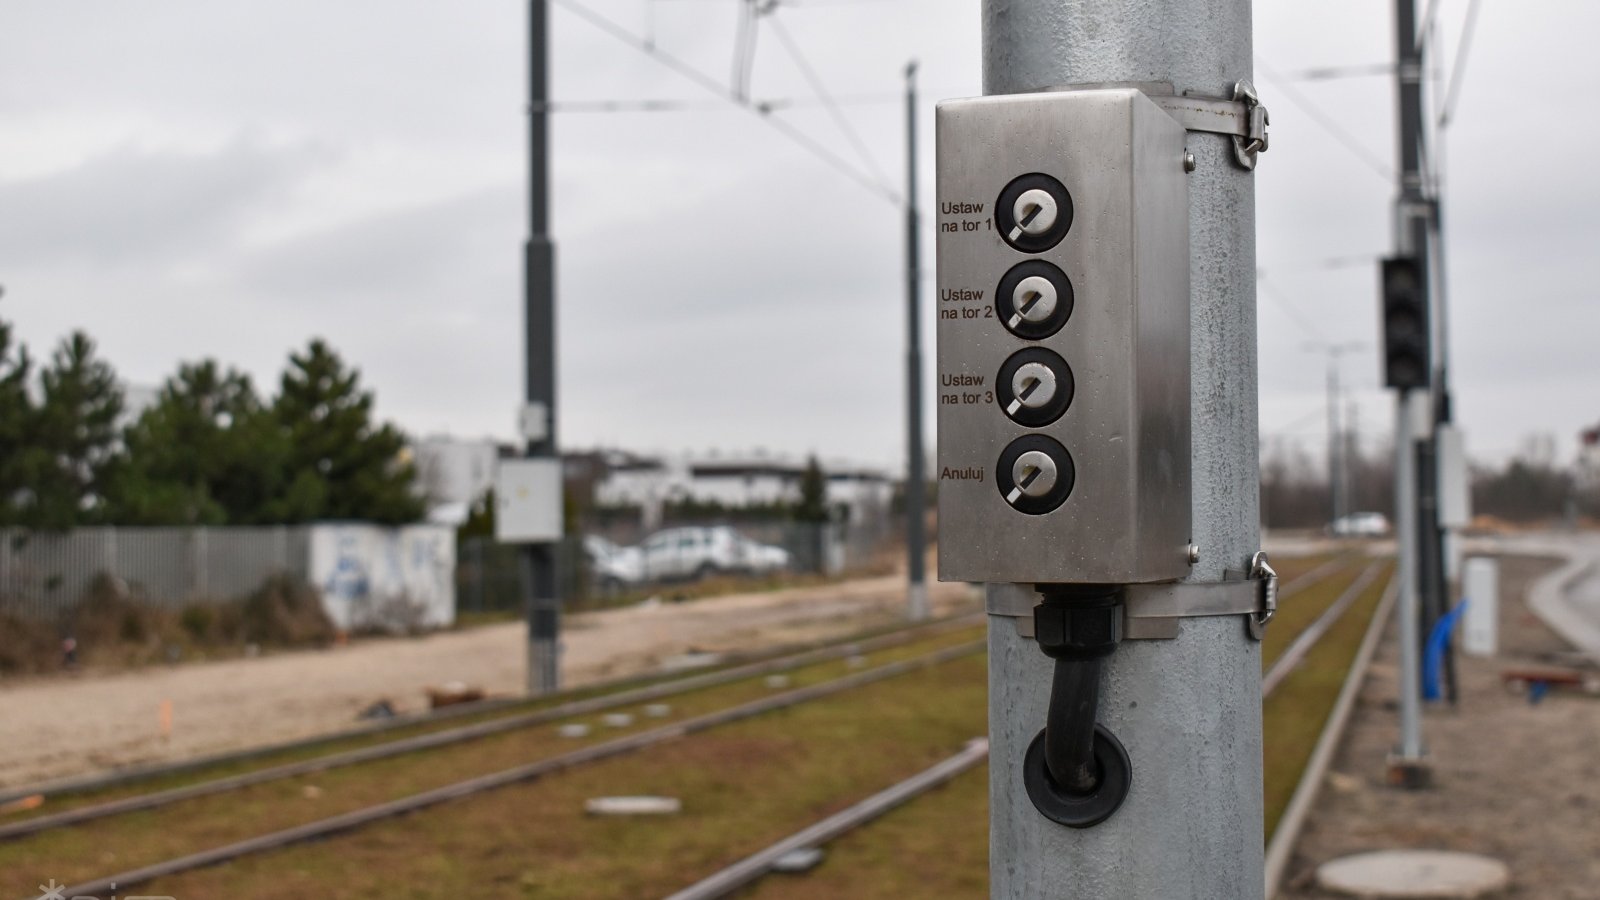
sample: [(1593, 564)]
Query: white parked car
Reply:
[(689, 553), (1361, 524), (612, 567)]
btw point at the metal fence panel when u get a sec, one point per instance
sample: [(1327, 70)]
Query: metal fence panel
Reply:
[(47, 574), (234, 561), (157, 563)]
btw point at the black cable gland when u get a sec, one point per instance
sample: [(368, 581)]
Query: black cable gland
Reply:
[(1078, 623)]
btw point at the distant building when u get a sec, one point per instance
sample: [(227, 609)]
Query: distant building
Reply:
[(736, 482), (748, 481), (867, 492), (454, 473), (1589, 458)]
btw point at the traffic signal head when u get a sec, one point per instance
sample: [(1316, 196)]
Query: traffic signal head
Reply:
[(1405, 323)]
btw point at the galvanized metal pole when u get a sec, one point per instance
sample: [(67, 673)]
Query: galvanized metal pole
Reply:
[(1412, 216), (1406, 766), (1335, 442), (1189, 709), (1443, 403), (540, 585), (1411, 525), (916, 462)]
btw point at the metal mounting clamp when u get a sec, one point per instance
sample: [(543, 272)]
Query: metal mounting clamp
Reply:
[(1262, 571), (1241, 117), (1152, 611)]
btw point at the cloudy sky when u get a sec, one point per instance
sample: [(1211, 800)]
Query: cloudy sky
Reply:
[(186, 179)]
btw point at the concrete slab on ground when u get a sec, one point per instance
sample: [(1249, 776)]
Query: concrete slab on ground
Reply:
[(1512, 781), (1415, 875)]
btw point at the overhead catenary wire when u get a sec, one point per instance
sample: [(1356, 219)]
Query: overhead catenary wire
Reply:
[(805, 3), (1430, 16), (744, 47), (1329, 73), (1299, 426), (678, 104), (1453, 90), (817, 149), (821, 90), (1327, 122), (1267, 287), (1342, 261)]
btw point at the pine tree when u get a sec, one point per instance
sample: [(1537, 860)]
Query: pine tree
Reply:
[(77, 430), (340, 463), (18, 453), (207, 453), (813, 505)]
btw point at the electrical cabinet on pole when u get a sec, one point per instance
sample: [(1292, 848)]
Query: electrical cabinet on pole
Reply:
[(528, 490), (1098, 440)]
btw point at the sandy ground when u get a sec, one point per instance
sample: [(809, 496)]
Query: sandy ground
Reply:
[(58, 727), (1514, 781)]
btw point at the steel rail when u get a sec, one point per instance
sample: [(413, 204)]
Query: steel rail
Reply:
[(1303, 642), (1307, 579), (756, 866), (752, 868), (434, 740), (1295, 814), (528, 772), (135, 774)]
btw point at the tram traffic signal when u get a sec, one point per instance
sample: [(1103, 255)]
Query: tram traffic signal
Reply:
[(1405, 325)]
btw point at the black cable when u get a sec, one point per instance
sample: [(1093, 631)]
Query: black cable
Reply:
[(1078, 626), (1070, 724)]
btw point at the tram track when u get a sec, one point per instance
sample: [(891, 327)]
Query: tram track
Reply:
[(534, 770), (358, 818), (753, 868), (495, 726)]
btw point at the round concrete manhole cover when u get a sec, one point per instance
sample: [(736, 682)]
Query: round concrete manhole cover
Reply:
[(1414, 873)]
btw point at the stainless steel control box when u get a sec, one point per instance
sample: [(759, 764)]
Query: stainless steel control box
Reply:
[(1063, 340)]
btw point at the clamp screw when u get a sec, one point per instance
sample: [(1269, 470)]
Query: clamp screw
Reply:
[(1188, 162)]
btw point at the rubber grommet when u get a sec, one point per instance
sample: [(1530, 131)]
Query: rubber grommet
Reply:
[(1080, 810)]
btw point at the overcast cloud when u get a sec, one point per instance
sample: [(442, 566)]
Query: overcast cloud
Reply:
[(186, 179)]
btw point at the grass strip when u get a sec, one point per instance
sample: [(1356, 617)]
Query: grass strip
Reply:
[(1293, 717), (743, 787), (187, 775), (140, 838)]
